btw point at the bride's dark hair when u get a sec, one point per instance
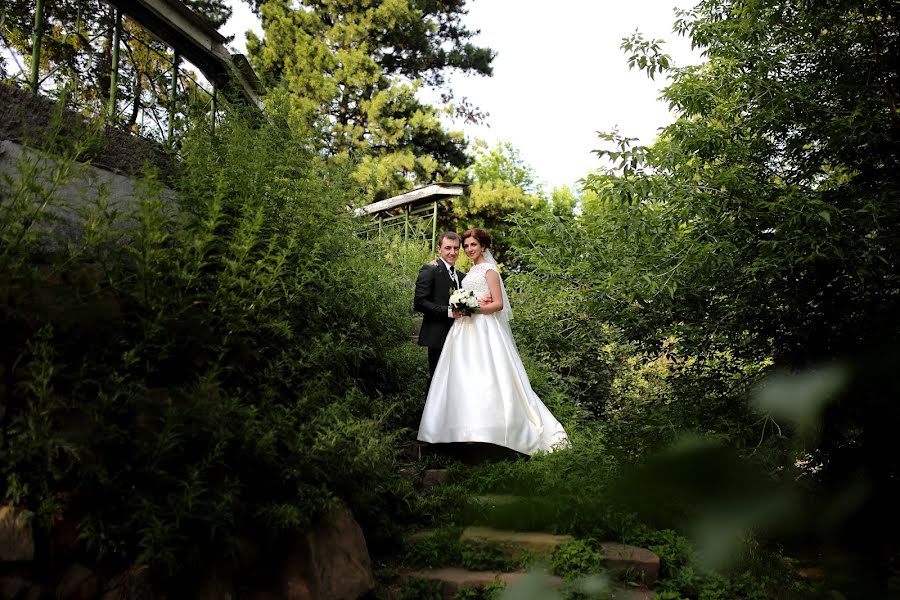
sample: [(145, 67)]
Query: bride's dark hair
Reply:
[(483, 237)]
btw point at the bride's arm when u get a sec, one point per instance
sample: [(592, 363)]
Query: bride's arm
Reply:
[(496, 302)]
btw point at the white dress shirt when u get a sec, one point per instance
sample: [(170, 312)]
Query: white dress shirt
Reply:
[(451, 270)]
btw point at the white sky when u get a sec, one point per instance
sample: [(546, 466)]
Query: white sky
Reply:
[(559, 76)]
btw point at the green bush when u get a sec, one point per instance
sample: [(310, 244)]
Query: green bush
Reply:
[(438, 548), (492, 591), (576, 557), (565, 491), (419, 588), (218, 362), (442, 548)]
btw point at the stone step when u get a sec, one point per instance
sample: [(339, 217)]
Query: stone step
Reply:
[(621, 560), (452, 579), (424, 479), (513, 543)]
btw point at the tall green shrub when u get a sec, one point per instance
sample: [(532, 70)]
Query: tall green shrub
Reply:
[(211, 365)]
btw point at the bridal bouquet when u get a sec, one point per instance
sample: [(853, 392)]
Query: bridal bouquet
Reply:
[(464, 301)]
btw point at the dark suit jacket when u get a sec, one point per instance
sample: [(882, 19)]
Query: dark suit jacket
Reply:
[(432, 299)]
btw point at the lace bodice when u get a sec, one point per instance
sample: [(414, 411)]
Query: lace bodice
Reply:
[(476, 281)]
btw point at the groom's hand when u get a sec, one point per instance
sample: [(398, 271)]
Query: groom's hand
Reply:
[(457, 314)]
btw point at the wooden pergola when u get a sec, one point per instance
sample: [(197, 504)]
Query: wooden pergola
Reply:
[(192, 37), (188, 35), (413, 215)]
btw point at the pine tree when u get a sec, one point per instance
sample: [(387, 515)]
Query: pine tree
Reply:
[(351, 71)]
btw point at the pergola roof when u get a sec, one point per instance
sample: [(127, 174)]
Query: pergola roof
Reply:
[(198, 41), (430, 193)]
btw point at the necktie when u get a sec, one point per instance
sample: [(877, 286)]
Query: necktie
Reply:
[(453, 277)]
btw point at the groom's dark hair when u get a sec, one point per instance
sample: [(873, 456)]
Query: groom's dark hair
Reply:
[(447, 235)]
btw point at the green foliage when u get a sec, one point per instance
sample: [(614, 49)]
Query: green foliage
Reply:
[(758, 231), (419, 588), (445, 504), (504, 163), (576, 557), (484, 557), (200, 365), (492, 591), (774, 196), (437, 548), (565, 492), (765, 204), (351, 73), (552, 325), (503, 184), (684, 575), (441, 548)]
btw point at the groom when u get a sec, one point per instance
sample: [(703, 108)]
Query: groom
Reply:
[(434, 285)]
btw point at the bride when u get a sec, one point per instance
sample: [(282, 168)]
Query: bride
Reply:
[(480, 391)]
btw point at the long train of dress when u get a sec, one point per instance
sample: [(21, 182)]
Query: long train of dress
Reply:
[(480, 391)]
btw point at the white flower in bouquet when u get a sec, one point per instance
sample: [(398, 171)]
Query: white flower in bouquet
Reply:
[(464, 301)]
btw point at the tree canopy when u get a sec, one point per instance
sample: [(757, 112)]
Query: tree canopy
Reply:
[(769, 206), (758, 232), (351, 72)]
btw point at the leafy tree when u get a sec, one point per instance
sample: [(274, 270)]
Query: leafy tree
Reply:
[(352, 70), (781, 173), (504, 162), (761, 228), (503, 184), (564, 201)]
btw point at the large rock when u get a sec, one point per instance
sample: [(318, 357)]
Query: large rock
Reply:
[(16, 588), (16, 536), (133, 584), (329, 563), (78, 583), (12, 587), (218, 583), (64, 543)]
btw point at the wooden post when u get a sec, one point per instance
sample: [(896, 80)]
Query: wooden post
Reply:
[(172, 94), (114, 75), (434, 226), (36, 50), (214, 107), (406, 224)]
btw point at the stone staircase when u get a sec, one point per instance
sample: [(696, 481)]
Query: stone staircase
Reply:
[(632, 571)]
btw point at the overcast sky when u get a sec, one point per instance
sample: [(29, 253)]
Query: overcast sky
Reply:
[(559, 76)]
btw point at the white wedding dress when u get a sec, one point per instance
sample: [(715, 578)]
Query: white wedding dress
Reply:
[(480, 391)]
